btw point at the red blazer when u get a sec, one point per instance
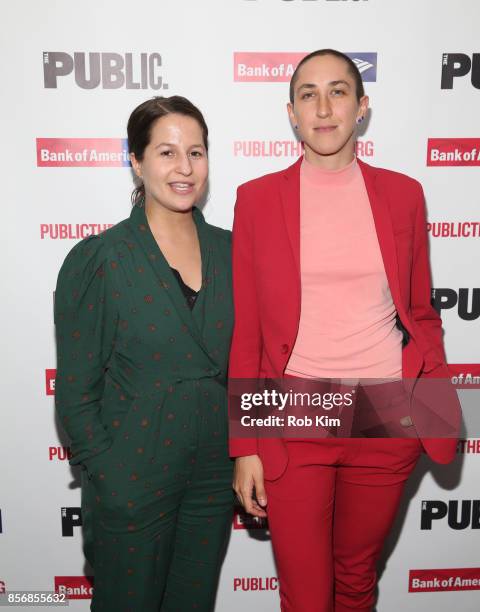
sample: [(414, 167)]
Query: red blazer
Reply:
[(267, 294)]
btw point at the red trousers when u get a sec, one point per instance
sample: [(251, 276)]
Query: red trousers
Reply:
[(329, 515)]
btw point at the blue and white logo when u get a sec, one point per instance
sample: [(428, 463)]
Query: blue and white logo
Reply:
[(366, 64)]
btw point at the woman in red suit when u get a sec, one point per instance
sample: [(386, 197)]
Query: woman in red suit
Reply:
[(331, 280)]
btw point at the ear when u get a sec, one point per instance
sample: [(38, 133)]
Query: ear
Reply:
[(363, 107), (291, 115), (136, 165)]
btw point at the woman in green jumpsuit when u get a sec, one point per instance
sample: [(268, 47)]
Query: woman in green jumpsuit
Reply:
[(141, 371)]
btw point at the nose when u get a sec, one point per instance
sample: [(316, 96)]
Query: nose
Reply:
[(324, 108), (184, 165)]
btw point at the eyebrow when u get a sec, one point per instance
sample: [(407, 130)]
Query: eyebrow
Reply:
[(332, 83), (171, 144)]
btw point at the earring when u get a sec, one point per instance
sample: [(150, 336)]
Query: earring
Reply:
[(296, 126), (359, 120)]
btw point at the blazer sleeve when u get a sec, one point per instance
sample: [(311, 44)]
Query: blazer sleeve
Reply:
[(85, 331), (424, 314), (246, 344)]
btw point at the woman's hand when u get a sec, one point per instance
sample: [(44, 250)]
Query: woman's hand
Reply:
[(247, 476)]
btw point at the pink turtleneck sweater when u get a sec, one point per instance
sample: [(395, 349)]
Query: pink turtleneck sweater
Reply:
[(347, 323)]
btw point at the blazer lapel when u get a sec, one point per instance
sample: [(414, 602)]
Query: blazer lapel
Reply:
[(166, 278), (290, 197), (383, 225)]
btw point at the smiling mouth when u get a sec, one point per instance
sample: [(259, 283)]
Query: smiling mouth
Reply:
[(182, 188)]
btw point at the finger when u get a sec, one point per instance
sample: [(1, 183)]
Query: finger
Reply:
[(251, 506), (260, 493), (247, 499), (259, 511), (236, 490)]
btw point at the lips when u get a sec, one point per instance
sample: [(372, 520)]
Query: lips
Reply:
[(182, 188), (325, 129)]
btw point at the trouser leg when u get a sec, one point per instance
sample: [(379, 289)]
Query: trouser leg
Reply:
[(161, 504), (329, 515), (204, 522), (131, 568), (368, 493), (132, 534), (300, 513)]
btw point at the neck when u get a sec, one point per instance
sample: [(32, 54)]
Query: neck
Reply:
[(165, 221), (335, 161)]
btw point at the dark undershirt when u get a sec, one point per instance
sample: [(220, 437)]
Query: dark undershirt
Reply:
[(188, 292)]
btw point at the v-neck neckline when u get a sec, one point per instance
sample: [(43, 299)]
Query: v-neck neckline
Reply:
[(167, 280), (189, 295), (179, 277), (202, 240), (197, 221)]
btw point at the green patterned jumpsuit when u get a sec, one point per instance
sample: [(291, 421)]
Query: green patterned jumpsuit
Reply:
[(140, 390)]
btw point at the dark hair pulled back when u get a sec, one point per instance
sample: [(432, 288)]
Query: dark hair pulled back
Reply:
[(142, 119)]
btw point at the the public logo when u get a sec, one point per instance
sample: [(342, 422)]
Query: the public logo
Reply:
[(470, 446), (453, 152), (255, 583), (71, 517), (59, 453), (71, 231), (466, 300), (454, 229), (459, 65), (74, 587), (105, 70), (459, 514), (265, 66), (267, 148), (287, 148)]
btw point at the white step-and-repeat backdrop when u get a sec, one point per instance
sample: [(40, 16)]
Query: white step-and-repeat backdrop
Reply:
[(71, 74)]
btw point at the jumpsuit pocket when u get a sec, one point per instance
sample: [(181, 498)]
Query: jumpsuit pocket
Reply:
[(118, 423), (92, 464)]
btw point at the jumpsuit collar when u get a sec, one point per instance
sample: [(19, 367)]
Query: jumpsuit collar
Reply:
[(166, 278)]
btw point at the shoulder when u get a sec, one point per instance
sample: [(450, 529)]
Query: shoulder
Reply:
[(403, 193), (264, 189), (261, 183), (221, 236), (397, 181), (91, 253), (218, 234)]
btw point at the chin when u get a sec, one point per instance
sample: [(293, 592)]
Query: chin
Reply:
[(327, 149), (183, 206), (176, 203)]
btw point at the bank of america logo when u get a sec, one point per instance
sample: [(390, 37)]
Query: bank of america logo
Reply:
[(279, 66), (366, 64), (362, 65)]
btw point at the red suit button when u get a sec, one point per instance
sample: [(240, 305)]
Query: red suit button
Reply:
[(285, 348)]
